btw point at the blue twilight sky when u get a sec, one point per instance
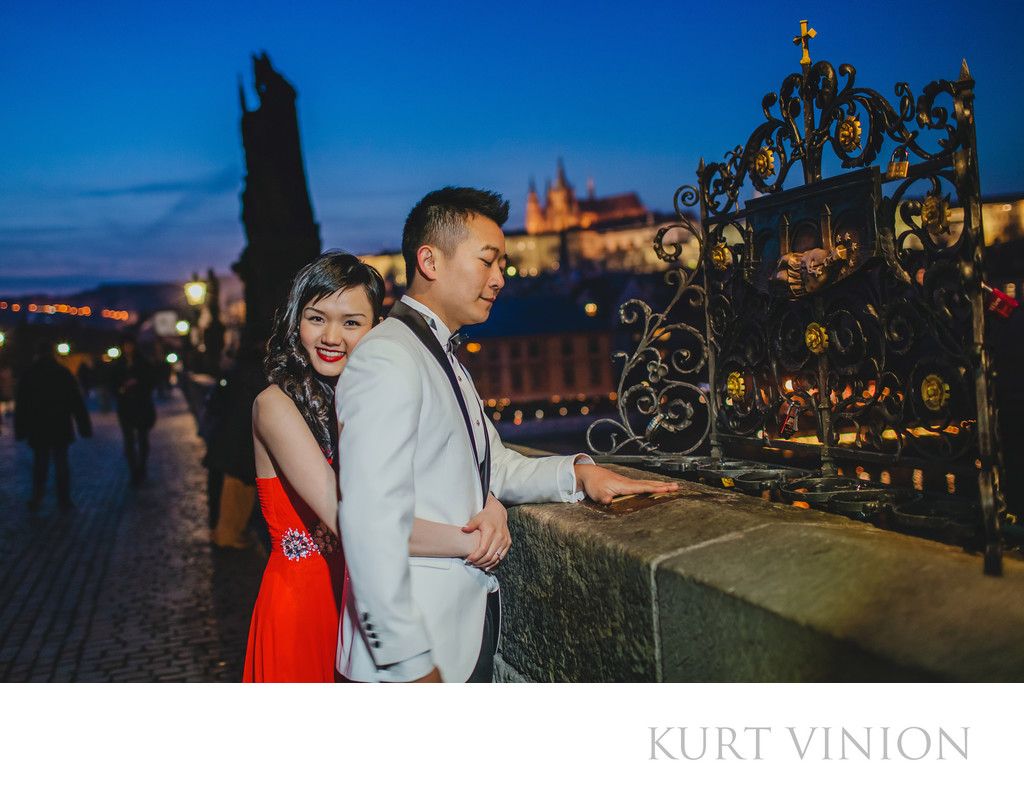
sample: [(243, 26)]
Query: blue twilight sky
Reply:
[(121, 150)]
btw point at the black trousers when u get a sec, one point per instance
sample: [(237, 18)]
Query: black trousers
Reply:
[(484, 670), (136, 448), (41, 469)]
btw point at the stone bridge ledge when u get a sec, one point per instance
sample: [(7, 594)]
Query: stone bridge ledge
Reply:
[(715, 585)]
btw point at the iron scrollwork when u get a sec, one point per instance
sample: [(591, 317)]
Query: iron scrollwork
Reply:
[(847, 308)]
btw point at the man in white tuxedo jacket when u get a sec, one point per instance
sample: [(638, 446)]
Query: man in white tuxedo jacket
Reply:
[(409, 447)]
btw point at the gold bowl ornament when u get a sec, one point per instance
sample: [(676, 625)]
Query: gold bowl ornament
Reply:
[(735, 386), (848, 133), (816, 338), (934, 392), (764, 163)]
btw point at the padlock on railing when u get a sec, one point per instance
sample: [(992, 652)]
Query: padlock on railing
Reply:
[(787, 424), (999, 303), (899, 165)]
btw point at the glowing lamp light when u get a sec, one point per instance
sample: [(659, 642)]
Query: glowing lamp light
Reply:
[(63, 349), (172, 358), (2, 338), (511, 272), (590, 309), (195, 293), (473, 347), (113, 353), (182, 327)]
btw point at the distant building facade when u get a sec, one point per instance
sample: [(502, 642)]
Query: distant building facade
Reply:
[(539, 348)]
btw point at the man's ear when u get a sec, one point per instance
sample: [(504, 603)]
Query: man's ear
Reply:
[(426, 263)]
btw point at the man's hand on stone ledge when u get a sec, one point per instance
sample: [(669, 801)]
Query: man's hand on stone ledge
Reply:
[(602, 485)]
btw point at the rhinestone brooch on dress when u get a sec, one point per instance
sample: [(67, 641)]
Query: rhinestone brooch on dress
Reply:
[(297, 544)]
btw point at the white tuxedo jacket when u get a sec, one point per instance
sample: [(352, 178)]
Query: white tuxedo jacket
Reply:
[(404, 452)]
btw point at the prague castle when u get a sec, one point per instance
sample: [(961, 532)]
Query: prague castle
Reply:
[(562, 209)]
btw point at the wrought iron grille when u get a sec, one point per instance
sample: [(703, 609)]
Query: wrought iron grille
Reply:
[(839, 318)]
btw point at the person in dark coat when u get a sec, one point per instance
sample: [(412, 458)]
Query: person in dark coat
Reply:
[(230, 459), (47, 400), (132, 379)]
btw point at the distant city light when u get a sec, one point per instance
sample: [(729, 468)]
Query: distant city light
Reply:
[(539, 414), (591, 309), (63, 349), (182, 327), (113, 353), (172, 358), (510, 271), (2, 338), (473, 347)]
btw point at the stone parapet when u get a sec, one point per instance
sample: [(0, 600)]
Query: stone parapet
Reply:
[(715, 585)]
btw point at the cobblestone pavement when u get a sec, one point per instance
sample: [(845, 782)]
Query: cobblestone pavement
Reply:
[(125, 587)]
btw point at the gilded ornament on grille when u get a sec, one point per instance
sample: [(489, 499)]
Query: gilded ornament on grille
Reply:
[(816, 338), (764, 163), (934, 392), (935, 214), (849, 133), (735, 386), (720, 256)]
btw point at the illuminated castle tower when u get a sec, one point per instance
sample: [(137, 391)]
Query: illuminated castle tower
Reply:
[(562, 210)]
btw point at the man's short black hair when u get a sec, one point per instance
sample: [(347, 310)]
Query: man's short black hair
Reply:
[(440, 219)]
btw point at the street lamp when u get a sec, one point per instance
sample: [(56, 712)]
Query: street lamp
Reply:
[(195, 292), (63, 349), (182, 327)]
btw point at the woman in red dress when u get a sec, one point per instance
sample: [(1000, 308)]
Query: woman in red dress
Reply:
[(294, 630)]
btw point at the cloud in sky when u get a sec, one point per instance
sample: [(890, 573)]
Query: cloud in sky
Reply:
[(226, 180)]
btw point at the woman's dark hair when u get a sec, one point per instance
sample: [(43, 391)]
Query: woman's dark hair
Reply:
[(287, 364)]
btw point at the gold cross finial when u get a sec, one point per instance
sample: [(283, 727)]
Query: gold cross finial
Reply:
[(806, 35)]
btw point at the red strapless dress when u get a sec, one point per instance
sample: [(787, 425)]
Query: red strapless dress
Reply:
[(293, 636)]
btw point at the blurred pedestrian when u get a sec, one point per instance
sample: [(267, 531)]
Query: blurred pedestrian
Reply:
[(132, 379), (47, 400), (226, 426)]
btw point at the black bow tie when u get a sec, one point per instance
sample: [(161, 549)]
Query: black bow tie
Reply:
[(454, 341)]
